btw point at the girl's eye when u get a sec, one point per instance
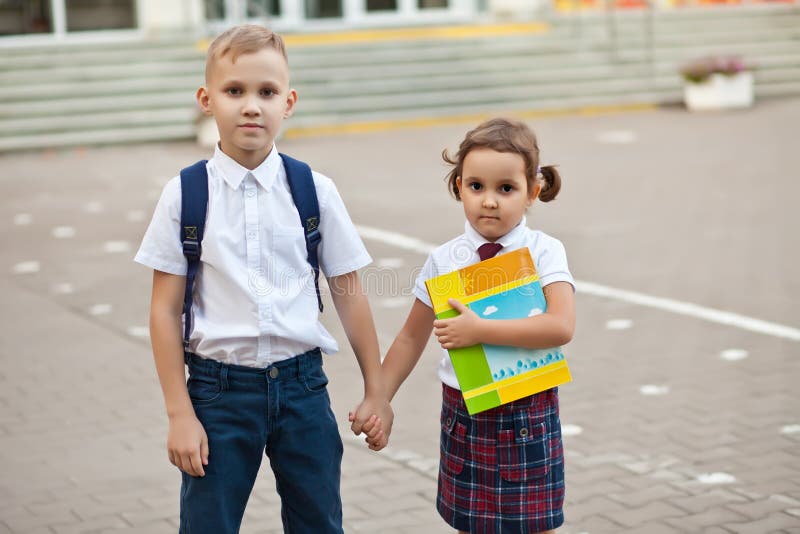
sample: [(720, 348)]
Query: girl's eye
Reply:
[(505, 188), (475, 186)]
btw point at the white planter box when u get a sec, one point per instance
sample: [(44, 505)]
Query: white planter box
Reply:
[(720, 92)]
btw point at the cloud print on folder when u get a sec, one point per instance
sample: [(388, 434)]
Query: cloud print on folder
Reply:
[(489, 310)]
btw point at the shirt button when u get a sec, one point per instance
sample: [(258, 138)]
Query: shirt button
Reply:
[(273, 373), (251, 193), (523, 432)]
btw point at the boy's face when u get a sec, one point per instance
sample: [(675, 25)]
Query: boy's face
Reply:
[(494, 190), (249, 100)]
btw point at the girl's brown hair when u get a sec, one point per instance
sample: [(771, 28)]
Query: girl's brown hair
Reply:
[(505, 135)]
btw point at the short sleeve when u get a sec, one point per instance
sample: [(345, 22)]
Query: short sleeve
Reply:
[(341, 250), (161, 247), (420, 290), (551, 264)]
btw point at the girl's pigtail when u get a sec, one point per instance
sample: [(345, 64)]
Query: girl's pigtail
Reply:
[(552, 183)]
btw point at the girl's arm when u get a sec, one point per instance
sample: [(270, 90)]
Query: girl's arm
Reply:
[(550, 329), (404, 353), (353, 309), (187, 443)]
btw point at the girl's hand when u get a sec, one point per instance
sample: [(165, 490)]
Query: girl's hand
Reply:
[(461, 331)]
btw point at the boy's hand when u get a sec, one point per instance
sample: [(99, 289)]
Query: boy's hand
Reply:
[(187, 444), (460, 331), (378, 424)]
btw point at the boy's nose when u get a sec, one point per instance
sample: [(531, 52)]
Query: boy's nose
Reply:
[(250, 107)]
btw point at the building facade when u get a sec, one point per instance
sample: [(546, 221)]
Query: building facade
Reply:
[(57, 20)]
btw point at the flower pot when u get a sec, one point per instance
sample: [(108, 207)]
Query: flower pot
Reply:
[(719, 91)]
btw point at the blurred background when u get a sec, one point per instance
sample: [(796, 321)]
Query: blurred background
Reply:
[(674, 123), (126, 70)]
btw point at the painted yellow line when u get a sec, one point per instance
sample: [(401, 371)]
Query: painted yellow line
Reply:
[(379, 126), (413, 34)]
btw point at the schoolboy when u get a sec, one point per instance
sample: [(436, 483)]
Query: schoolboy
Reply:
[(256, 383)]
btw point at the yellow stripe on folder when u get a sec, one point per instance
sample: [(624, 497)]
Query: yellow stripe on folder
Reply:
[(512, 381), (449, 287), (551, 379)]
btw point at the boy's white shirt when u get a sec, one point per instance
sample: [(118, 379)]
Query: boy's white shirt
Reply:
[(547, 252), (254, 299)]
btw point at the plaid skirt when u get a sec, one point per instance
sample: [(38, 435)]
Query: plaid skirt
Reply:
[(502, 470)]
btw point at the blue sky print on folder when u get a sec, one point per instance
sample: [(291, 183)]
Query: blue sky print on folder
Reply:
[(523, 301)]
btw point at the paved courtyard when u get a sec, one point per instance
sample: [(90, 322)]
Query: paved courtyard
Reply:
[(684, 412)]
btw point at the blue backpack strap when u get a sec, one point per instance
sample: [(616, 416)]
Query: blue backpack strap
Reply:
[(304, 194), (194, 205)]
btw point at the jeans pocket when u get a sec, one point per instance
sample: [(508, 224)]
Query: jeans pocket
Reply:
[(453, 444), (315, 380), (203, 389), (522, 452)]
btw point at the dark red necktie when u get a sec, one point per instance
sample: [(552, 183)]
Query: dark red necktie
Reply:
[(489, 250)]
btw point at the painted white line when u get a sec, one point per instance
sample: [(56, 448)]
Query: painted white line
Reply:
[(135, 215), (113, 247), (139, 331), (716, 478), (616, 137), (100, 309), (790, 429), (653, 389), (619, 324), (393, 238), (395, 302), (733, 355), (692, 310), (23, 219), (390, 263), (63, 232), (27, 267), (94, 207), (63, 288), (590, 288)]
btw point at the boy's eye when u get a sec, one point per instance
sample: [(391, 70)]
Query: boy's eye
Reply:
[(475, 186), (267, 92), (233, 91)]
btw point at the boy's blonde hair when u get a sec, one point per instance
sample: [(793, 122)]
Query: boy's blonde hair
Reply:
[(243, 39)]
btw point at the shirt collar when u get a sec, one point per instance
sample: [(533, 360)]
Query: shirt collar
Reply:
[(508, 240), (233, 173)]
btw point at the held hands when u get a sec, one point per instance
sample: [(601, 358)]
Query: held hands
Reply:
[(374, 417), (187, 444), (460, 331)]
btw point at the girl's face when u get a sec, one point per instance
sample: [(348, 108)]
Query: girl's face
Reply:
[(494, 191)]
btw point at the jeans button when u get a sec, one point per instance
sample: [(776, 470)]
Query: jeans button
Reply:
[(273, 373)]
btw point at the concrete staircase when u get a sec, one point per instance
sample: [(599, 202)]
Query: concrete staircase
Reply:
[(77, 95)]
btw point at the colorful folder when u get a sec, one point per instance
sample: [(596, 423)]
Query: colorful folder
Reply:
[(503, 287)]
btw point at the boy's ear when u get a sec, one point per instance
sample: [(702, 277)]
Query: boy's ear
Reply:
[(291, 100), (202, 99)]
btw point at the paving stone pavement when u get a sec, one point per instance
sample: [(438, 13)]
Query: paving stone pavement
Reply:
[(665, 432)]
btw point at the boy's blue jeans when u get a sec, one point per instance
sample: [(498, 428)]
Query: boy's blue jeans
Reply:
[(283, 411)]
